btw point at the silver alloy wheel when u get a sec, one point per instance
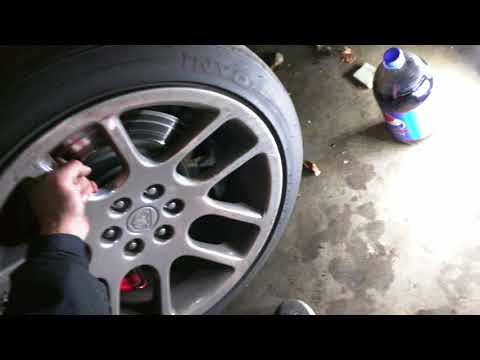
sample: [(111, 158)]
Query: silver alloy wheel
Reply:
[(143, 221)]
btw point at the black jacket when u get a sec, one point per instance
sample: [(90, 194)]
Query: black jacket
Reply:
[(55, 280)]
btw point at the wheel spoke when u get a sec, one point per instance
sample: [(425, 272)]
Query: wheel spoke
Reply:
[(46, 164), (166, 291), (239, 212), (95, 208), (163, 270), (113, 282), (219, 254), (199, 138), (230, 168), (111, 275), (43, 165), (122, 142)]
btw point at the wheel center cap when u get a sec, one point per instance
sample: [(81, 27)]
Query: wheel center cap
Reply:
[(142, 219)]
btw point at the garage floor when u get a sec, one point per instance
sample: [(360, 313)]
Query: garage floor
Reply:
[(386, 228)]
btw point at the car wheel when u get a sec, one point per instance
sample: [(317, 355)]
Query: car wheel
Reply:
[(197, 152)]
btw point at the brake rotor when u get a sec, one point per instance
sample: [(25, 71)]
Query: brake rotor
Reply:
[(149, 130)]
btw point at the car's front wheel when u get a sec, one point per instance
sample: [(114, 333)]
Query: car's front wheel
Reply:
[(196, 150)]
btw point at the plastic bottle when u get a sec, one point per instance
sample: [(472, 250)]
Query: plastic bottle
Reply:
[(402, 86)]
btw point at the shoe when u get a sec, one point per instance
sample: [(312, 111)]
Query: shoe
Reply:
[(294, 307)]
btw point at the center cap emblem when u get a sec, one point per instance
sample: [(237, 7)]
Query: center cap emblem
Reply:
[(142, 219)]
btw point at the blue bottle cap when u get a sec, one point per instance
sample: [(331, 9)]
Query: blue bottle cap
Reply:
[(393, 59)]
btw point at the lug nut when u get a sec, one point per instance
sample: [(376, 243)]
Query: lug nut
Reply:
[(134, 247), (164, 233), (121, 205), (111, 234), (154, 192), (171, 205), (174, 206)]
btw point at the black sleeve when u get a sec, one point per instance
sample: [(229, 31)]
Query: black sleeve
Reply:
[(55, 280)]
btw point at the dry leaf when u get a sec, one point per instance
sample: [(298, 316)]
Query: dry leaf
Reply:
[(346, 55), (278, 60), (312, 167)]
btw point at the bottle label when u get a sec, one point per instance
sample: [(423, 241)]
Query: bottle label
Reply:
[(411, 126)]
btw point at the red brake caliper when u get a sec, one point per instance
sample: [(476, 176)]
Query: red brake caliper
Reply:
[(133, 281)]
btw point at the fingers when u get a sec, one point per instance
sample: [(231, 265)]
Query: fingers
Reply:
[(72, 176), (95, 186), (73, 170), (86, 187)]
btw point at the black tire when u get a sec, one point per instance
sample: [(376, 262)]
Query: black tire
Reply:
[(55, 82)]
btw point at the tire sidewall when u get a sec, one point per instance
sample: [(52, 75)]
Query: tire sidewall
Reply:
[(49, 94)]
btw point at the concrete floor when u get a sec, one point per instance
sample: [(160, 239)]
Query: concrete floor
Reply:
[(387, 228)]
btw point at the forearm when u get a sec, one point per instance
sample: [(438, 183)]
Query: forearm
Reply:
[(55, 280)]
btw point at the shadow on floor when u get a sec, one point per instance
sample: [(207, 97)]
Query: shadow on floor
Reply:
[(348, 75), (377, 132)]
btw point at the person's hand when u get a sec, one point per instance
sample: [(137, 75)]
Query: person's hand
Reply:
[(58, 200)]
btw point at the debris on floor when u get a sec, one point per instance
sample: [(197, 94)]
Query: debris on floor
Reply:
[(365, 75), (324, 49), (278, 60), (346, 55), (312, 167)]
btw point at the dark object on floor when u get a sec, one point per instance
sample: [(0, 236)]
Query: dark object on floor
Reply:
[(346, 55), (312, 167), (274, 60), (324, 49), (294, 307)]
